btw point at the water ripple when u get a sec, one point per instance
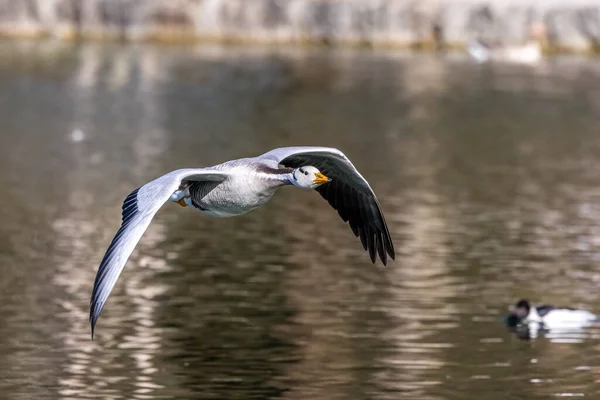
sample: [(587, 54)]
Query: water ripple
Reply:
[(487, 176)]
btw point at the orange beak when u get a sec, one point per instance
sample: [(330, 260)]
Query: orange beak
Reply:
[(320, 179), (182, 203)]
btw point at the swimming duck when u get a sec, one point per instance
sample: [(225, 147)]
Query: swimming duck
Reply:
[(549, 316)]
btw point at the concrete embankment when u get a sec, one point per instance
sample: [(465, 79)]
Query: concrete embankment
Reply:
[(561, 24)]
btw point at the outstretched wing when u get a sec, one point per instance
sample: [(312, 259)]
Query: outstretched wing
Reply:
[(348, 193), (139, 208)]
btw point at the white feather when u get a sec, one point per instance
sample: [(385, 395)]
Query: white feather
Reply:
[(562, 318)]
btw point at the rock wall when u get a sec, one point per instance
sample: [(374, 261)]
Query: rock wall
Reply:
[(565, 24)]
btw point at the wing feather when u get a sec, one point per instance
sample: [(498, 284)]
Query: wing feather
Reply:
[(349, 193), (138, 209)]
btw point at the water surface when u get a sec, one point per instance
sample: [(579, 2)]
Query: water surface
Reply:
[(488, 176)]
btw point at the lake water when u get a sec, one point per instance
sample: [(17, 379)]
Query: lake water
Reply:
[(488, 175)]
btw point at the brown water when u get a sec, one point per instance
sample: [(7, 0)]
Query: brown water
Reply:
[(489, 176)]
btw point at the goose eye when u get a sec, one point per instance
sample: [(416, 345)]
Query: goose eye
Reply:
[(305, 173)]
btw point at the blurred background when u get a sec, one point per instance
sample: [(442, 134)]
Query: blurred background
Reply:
[(476, 123)]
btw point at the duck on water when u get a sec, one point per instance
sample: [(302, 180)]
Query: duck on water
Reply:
[(550, 317)]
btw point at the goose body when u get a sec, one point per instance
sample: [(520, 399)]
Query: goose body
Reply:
[(248, 185), (239, 186)]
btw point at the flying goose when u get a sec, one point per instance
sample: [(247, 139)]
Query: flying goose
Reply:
[(238, 186)]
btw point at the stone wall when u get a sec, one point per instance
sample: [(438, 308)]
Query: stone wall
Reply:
[(566, 24)]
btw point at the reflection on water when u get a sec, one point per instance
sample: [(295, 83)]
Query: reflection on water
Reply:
[(488, 176)]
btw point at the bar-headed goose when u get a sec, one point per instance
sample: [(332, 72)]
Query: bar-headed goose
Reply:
[(238, 186)]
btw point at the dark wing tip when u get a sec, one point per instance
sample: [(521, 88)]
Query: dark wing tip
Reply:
[(93, 324), (94, 315), (392, 253), (387, 244), (363, 213)]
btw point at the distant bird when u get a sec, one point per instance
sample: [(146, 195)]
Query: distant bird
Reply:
[(238, 186), (530, 53), (550, 317)]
